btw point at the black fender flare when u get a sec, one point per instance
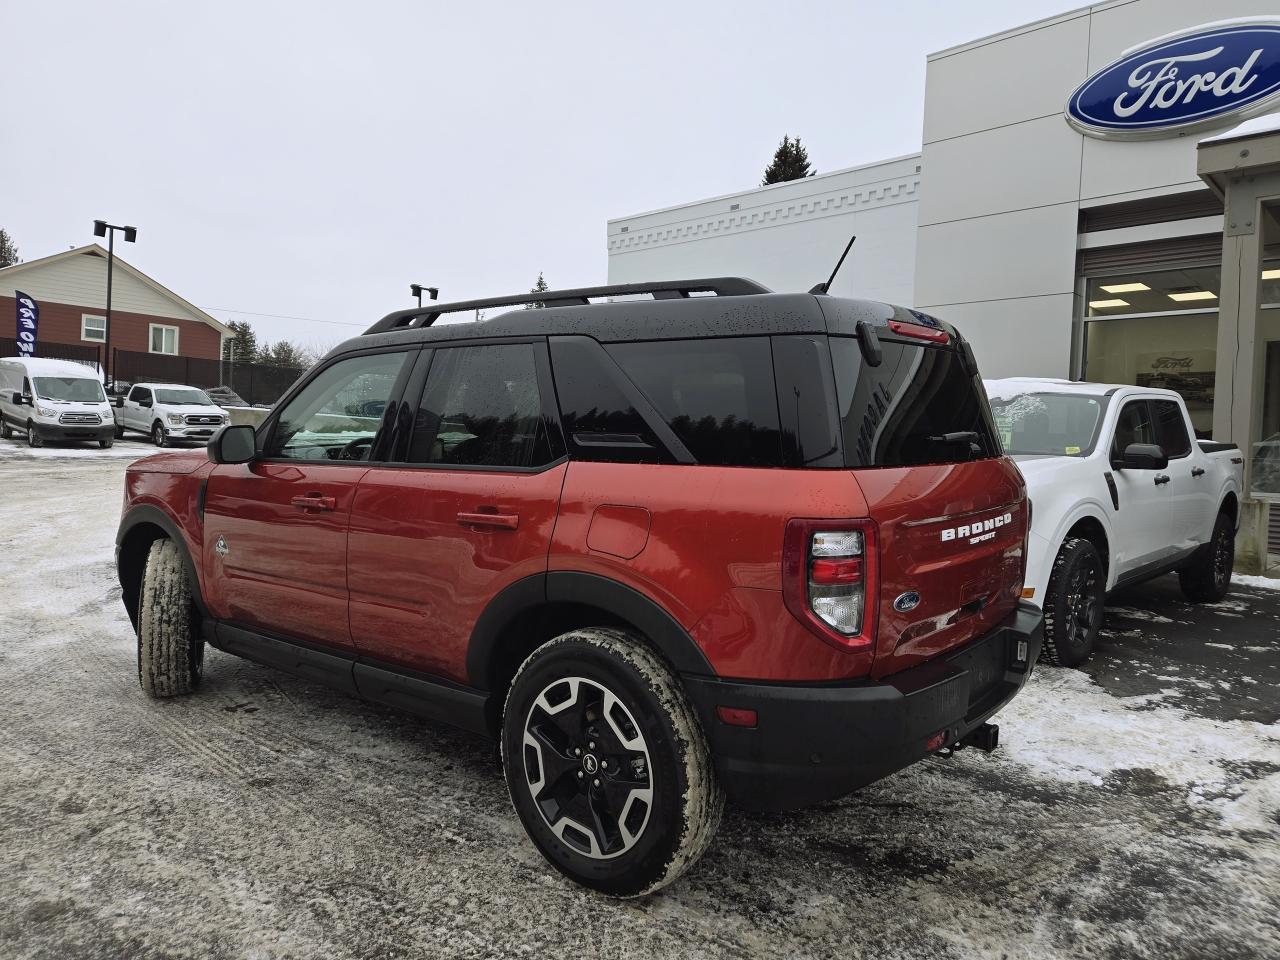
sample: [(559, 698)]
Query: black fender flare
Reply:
[(526, 596), (148, 514)]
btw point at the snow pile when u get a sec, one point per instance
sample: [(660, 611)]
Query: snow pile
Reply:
[(1245, 580)]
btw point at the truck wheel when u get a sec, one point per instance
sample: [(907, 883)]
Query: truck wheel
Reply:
[(119, 432), (106, 442), (606, 763), (170, 648), (1207, 577), (33, 438), (1073, 604), (158, 436), (5, 432)]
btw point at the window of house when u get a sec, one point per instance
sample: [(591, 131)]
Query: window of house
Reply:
[(164, 339), (93, 329)]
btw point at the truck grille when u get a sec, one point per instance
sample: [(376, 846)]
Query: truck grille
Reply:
[(80, 419), (198, 419)]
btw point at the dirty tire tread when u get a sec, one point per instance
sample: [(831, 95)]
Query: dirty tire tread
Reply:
[(705, 804), (1196, 578), (1050, 651), (165, 667)]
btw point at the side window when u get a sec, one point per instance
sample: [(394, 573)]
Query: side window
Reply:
[(600, 421), (337, 415), (1134, 425), (481, 407), (716, 395), (26, 387), (1171, 428), (140, 394)]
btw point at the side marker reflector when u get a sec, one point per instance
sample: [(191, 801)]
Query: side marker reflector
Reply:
[(736, 716)]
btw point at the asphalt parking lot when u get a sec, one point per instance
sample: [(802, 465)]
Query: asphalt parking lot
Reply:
[(1133, 809)]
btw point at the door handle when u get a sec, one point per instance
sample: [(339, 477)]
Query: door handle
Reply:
[(314, 502), (503, 521), (1197, 471), (1161, 479)]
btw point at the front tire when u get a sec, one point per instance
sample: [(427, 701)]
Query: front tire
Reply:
[(170, 648), (33, 438), (1207, 578), (606, 763), (106, 442), (1074, 604), (158, 435)]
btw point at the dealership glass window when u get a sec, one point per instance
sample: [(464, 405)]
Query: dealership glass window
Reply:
[(1154, 291), (93, 329), (164, 339)]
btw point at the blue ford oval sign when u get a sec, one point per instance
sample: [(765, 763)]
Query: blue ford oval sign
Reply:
[(1194, 78)]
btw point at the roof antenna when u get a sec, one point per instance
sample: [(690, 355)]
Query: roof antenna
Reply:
[(824, 287)]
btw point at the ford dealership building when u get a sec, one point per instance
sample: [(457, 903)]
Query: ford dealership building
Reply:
[(1094, 199)]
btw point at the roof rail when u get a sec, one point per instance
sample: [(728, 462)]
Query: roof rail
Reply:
[(661, 290)]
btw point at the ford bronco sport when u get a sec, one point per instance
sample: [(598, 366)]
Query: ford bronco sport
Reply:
[(705, 541)]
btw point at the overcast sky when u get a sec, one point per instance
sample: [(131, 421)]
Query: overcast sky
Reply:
[(312, 159)]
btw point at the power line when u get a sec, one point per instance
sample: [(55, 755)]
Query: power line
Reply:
[(285, 316)]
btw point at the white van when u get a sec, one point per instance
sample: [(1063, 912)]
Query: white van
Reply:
[(53, 400)]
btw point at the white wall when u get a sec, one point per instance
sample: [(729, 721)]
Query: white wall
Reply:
[(1006, 175), (788, 236)]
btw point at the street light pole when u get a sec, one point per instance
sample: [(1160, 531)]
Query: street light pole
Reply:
[(103, 229)]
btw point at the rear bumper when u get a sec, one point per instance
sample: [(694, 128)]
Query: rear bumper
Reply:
[(817, 743)]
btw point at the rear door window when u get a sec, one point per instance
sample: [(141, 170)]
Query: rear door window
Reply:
[(1171, 428), (716, 395), (919, 406)]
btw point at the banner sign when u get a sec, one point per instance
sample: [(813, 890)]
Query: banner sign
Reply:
[(1204, 75), (28, 323)]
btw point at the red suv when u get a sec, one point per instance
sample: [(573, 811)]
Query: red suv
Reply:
[(703, 541)]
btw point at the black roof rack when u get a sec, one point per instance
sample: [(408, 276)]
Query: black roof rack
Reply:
[(661, 290)]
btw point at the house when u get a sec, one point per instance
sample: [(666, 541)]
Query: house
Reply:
[(70, 289)]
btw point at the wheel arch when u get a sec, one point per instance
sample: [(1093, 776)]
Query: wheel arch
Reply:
[(141, 527), (1230, 505), (1088, 522), (529, 612)]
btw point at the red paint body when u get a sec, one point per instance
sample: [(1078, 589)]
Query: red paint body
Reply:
[(406, 561)]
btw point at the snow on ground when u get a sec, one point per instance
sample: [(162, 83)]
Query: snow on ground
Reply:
[(130, 448), (1132, 809)]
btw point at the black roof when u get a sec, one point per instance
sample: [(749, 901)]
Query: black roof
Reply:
[(732, 307)]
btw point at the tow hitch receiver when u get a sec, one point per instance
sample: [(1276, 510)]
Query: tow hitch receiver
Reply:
[(986, 737)]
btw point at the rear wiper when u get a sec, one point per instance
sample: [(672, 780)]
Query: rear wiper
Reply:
[(959, 436)]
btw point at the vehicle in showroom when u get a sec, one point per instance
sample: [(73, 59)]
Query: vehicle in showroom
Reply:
[(42, 399), (706, 540), (168, 412), (1123, 492)]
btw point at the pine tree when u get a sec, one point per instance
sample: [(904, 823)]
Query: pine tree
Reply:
[(245, 343), (790, 162), (8, 249), (539, 287)]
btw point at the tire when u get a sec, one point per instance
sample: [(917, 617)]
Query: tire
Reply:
[(1074, 604), (170, 648), (158, 435), (653, 816), (6, 432), (119, 432), (33, 439), (1207, 578), (106, 442)]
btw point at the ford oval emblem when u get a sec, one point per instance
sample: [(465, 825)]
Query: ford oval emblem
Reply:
[(1196, 77), (906, 601)]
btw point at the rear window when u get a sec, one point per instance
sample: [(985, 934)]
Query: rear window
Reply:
[(919, 406)]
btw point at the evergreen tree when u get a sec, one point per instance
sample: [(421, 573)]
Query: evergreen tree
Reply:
[(8, 249), (282, 353), (790, 162), (244, 340), (539, 287)]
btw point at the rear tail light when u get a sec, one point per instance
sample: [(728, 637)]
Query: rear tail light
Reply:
[(919, 331), (829, 579)]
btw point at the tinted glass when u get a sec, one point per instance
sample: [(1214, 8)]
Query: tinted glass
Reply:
[(806, 402), (919, 406), (336, 416), (600, 421), (1171, 429), (1134, 425), (1057, 424), (716, 395), (481, 407), (139, 393)]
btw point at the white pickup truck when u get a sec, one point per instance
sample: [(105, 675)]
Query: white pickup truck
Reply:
[(168, 412), (1121, 492)]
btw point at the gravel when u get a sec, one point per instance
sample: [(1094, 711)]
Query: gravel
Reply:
[(1133, 809)]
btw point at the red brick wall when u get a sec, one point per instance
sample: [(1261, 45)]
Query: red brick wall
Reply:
[(60, 323)]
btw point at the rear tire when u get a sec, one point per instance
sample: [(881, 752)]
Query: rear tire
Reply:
[(1073, 607), (1207, 578), (33, 439), (606, 763), (170, 648), (119, 432), (6, 433)]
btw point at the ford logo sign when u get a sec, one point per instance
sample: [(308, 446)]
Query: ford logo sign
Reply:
[(1182, 81), (905, 602)]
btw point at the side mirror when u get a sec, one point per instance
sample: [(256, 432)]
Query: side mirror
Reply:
[(17, 398), (1141, 456), (234, 443), (117, 401)]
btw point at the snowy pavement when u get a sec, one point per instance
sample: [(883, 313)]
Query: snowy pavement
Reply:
[(1133, 809)]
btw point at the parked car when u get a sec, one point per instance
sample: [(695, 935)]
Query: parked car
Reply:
[(167, 412), (1122, 493), (45, 399), (665, 550)]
